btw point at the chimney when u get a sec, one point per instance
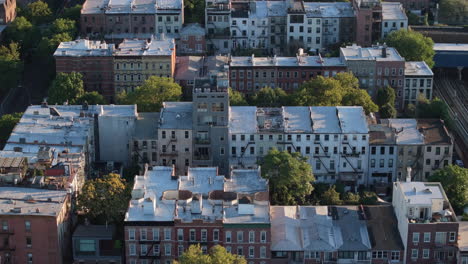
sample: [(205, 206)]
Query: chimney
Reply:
[(384, 51), (408, 174)]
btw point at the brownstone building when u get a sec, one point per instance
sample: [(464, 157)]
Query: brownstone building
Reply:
[(168, 213), (192, 40), (250, 74), (93, 59)]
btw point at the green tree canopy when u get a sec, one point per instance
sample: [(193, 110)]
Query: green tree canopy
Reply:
[(38, 12), (11, 67), (217, 255), (331, 197), (72, 13), (48, 45), (236, 98), (386, 101), (64, 25), (368, 198), (66, 87), (334, 91), (20, 31), (7, 123), (194, 11), (351, 198), (152, 93), (104, 199), (92, 98), (270, 97), (412, 45), (290, 177), (434, 109), (453, 11), (454, 179)]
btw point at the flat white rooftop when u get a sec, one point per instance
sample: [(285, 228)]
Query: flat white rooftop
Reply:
[(450, 47), (328, 10), (406, 131), (421, 193), (374, 53), (417, 68), (393, 11), (30, 201)]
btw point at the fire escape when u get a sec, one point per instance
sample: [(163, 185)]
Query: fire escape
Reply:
[(151, 255), (6, 248), (347, 155), (243, 150), (169, 150), (322, 153)]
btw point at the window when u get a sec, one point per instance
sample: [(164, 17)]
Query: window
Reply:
[(379, 254), (156, 234), (228, 236), (167, 234), (29, 242), (240, 236), (143, 250), (452, 236), (332, 165), (395, 255), (251, 252), (156, 250), (415, 237), (390, 150), (204, 235), (414, 253), (372, 163), (382, 163), (192, 235), (30, 258), (143, 235), (240, 251), (373, 149), (251, 236), (425, 253), (131, 234), (167, 249), (216, 235), (27, 225), (440, 238), (437, 150), (262, 252), (427, 237), (382, 150), (180, 234), (390, 163), (180, 250), (263, 235), (131, 249)]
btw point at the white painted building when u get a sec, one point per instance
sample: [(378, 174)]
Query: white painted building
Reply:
[(335, 139), (393, 18), (249, 26), (419, 80)]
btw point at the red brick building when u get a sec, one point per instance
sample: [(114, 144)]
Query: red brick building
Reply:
[(250, 74), (368, 21), (93, 59), (167, 214), (192, 40), (35, 225)]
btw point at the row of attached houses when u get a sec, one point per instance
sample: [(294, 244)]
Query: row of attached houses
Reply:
[(169, 212)]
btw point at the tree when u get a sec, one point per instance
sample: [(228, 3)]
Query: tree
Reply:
[(413, 19), (351, 198), (92, 98), (343, 89), (454, 179), (236, 98), (290, 177), (194, 11), (66, 87), (48, 45), (368, 198), (434, 109), (11, 67), (152, 93), (39, 12), (386, 101), (64, 25), (412, 45), (453, 11), (19, 31), (104, 199), (217, 255), (331, 197), (270, 97), (72, 13), (7, 123)]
